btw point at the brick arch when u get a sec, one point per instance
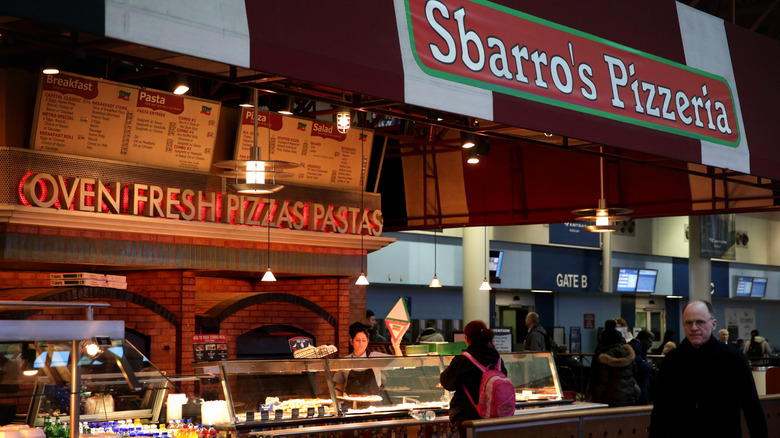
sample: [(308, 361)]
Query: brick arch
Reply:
[(275, 297), (82, 292)]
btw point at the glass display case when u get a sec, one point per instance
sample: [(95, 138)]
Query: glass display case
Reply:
[(116, 381), (282, 393)]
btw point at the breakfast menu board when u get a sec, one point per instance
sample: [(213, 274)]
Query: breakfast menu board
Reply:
[(85, 116), (327, 157)]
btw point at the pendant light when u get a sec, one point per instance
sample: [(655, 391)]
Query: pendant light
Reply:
[(362, 280), (268, 276), (259, 175), (435, 282), (485, 283), (604, 219)]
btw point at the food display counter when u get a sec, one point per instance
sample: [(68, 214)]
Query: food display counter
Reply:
[(264, 395)]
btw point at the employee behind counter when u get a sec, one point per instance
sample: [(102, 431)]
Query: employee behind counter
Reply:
[(361, 381)]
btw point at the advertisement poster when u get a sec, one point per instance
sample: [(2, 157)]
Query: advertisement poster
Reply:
[(210, 347), (91, 117), (327, 158), (743, 319)]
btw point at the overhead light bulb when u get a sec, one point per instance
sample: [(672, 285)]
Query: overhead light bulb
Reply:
[(435, 282), (30, 372), (255, 172), (51, 71), (485, 285), (467, 140), (362, 280), (342, 121), (602, 221)]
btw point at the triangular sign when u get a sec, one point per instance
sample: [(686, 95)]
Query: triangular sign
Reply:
[(399, 312), (397, 329)]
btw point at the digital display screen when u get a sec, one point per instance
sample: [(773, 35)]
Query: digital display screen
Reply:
[(627, 278), (646, 280), (494, 262), (744, 286), (759, 287)]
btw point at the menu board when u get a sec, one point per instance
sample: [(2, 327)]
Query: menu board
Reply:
[(210, 347), (91, 117), (327, 157)]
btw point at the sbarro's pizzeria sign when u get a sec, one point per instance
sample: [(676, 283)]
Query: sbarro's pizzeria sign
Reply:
[(493, 47)]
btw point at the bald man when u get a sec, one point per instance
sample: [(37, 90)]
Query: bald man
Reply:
[(703, 385)]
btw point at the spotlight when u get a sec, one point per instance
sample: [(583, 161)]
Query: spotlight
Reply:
[(467, 140), (180, 84)]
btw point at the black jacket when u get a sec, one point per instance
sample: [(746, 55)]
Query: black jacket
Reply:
[(462, 372), (699, 392), (612, 376), (644, 370)]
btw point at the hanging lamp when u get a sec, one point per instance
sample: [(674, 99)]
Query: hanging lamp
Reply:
[(435, 282), (603, 218), (259, 175), (485, 283), (362, 280), (268, 276)]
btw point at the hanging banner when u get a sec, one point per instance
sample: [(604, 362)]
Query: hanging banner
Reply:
[(397, 320), (717, 237), (573, 233), (327, 157), (91, 117), (532, 58)]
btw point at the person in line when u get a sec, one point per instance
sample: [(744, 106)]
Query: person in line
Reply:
[(757, 346), (691, 397), (373, 330), (461, 375), (612, 370), (622, 328), (644, 369), (360, 381), (668, 337), (430, 334), (723, 336), (535, 340)]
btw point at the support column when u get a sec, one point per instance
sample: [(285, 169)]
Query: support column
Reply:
[(699, 268), (606, 262), (476, 303)]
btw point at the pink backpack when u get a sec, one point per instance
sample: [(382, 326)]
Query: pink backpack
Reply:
[(496, 391)]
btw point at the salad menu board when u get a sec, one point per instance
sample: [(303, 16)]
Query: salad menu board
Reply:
[(327, 158), (85, 116)]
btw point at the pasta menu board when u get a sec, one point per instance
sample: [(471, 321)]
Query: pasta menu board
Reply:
[(327, 158), (86, 116)]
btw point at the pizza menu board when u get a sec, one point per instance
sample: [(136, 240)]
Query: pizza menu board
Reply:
[(327, 157), (91, 117)]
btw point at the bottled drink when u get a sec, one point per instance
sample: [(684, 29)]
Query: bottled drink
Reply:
[(424, 415), (212, 433), (48, 429)]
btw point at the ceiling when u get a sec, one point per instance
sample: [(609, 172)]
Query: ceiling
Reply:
[(412, 131)]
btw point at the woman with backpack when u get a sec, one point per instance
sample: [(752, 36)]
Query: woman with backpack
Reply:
[(462, 375)]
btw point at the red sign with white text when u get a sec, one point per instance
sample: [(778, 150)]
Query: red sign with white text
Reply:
[(490, 46)]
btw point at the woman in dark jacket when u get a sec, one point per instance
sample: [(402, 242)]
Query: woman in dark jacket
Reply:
[(612, 371), (461, 375)]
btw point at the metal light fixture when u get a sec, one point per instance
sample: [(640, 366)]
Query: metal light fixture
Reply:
[(472, 156), (362, 280), (467, 140), (435, 282), (343, 121), (255, 171), (604, 219), (180, 84), (485, 283), (288, 106)]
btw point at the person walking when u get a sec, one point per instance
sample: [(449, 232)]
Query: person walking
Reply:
[(535, 340), (704, 386)]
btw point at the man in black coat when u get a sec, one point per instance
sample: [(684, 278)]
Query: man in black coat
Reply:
[(644, 369), (703, 385)]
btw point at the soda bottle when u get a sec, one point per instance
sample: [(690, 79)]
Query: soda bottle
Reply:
[(212, 433)]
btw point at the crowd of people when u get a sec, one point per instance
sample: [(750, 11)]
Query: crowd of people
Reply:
[(686, 387)]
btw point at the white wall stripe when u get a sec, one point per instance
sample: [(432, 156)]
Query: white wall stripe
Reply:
[(706, 48), (214, 30), (430, 92)]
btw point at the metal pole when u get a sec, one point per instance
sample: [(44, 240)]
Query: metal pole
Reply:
[(75, 389)]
